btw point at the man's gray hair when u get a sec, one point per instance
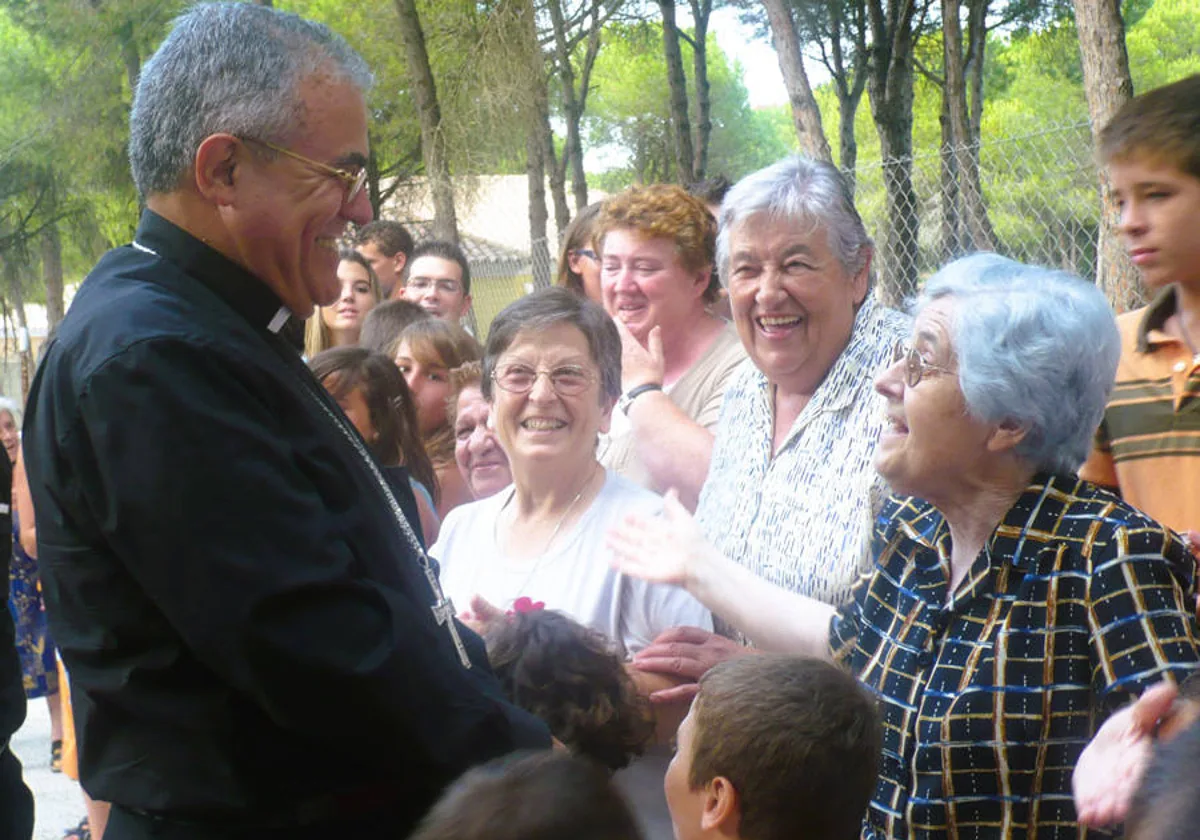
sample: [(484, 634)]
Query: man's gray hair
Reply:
[(228, 67), (804, 191), (1036, 347)]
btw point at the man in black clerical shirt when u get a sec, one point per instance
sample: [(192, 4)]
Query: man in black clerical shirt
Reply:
[(257, 646), (16, 802)]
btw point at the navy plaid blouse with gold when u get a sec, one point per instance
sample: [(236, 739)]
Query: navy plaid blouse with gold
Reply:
[(1075, 605)]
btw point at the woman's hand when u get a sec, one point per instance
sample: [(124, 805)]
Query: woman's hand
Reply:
[(685, 653), (662, 549), (640, 365), (482, 615), (1111, 767)]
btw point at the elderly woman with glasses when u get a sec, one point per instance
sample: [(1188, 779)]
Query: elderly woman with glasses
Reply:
[(552, 373), (1010, 605)]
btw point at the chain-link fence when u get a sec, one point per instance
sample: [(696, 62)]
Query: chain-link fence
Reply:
[(497, 282), (1034, 198)]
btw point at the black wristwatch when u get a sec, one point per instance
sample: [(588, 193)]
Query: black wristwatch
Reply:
[(633, 393)]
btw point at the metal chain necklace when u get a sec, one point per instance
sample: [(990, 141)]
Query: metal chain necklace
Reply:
[(545, 552), (443, 607)]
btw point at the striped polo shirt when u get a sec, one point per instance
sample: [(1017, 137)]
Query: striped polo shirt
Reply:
[(1148, 445)]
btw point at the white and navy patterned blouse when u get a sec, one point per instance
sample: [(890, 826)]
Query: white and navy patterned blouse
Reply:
[(802, 518)]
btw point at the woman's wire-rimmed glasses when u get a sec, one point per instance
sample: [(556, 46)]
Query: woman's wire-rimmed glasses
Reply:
[(915, 368), (353, 181), (567, 380)]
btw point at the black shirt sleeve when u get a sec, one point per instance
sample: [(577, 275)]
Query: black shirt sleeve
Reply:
[(251, 550)]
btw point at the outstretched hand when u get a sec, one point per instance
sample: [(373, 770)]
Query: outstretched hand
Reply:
[(1111, 767), (686, 652), (660, 549)]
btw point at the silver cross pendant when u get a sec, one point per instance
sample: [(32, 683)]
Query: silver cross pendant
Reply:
[(443, 612)]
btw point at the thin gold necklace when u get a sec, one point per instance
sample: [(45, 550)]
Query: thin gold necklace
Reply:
[(481, 569), (557, 526)]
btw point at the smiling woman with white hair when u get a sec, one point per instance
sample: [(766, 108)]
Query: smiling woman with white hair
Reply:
[(1011, 605), (791, 492)]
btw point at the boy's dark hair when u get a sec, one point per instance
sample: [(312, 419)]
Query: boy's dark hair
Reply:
[(382, 327), (389, 403), (1163, 124), (531, 796), (447, 251), (798, 739), (1165, 806), (570, 677), (389, 237)]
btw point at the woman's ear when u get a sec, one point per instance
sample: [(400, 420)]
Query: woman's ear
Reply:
[(1006, 436), (606, 409)]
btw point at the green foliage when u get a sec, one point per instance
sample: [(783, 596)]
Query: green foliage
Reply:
[(628, 111)]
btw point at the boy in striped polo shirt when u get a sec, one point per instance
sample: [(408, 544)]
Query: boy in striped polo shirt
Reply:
[(1148, 445)]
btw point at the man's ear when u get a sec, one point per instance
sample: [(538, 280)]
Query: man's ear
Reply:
[(722, 808), (216, 167)]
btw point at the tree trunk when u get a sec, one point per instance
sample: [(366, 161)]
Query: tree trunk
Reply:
[(951, 199), (976, 52), (701, 9), (12, 281), (433, 142), (1108, 86), (52, 275), (573, 103), (806, 114), (539, 151), (556, 171), (129, 56), (680, 123), (890, 88), (966, 163)]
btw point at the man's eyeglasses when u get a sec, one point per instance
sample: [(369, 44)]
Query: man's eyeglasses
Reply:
[(424, 284), (587, 252), (915, 368), (567, 381), (353, 181)]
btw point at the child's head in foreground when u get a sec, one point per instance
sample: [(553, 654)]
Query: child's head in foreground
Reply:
[(1152, 151), (775, 748), (1165, 805), (572, 678), (531, 796)]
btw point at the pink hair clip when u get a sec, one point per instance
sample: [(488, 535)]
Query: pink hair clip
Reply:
[(525, 604)]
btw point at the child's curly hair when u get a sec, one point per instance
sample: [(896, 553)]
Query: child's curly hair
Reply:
[(573, 679)]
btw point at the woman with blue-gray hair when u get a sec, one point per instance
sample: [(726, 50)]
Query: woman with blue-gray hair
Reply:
[(1011, 605)]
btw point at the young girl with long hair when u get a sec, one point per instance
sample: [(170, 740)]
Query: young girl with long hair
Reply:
[(425, 355), (376, 399), (340, 323)]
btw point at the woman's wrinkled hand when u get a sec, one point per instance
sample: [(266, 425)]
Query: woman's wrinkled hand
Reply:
[(1111, 767), (685, 653), (660, 549)]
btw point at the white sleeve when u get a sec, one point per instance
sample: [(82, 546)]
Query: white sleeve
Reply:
[(648, 609)]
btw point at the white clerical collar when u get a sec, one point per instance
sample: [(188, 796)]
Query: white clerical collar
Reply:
[(281, 318)]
